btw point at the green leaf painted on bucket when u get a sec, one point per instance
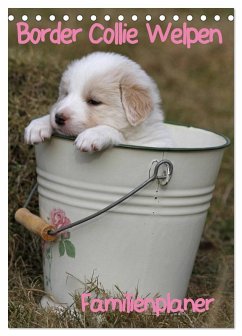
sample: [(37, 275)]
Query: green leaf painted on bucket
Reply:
[(61, 248), (70, 248)]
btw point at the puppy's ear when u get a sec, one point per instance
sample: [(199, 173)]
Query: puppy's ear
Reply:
[(137, 102)]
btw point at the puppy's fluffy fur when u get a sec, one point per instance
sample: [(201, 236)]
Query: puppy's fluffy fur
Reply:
[(105, 99)]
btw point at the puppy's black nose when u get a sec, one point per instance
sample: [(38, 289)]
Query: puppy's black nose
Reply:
[(60, 119)]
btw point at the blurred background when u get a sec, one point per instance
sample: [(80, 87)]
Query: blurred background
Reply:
[(196, 87)]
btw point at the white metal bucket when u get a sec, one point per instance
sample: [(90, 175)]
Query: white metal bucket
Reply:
[(148, 242)]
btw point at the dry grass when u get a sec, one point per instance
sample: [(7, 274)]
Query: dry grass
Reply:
[(197, 89)]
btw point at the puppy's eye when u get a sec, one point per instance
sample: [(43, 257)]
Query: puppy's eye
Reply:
[(94, 102)]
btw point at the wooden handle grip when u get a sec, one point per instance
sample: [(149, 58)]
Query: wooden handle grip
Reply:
[(35, 224)]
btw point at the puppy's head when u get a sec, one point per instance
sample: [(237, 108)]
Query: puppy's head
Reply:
[(103, 89)]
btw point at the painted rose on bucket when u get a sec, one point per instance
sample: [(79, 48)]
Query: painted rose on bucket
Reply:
[(59, 219)]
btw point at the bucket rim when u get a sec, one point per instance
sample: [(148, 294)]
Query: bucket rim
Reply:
[(165, 149)]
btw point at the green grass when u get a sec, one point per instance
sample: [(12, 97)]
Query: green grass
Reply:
[(197, 89)]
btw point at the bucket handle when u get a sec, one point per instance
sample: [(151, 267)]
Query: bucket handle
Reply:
[(162, 170)]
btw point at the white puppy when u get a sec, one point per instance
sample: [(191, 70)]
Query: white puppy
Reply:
[(105, 99)]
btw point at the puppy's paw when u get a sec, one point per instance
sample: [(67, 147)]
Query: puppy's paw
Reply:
[(37, 131), (92, 141)]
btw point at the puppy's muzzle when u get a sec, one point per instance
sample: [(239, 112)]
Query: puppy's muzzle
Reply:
[(60, 119)]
